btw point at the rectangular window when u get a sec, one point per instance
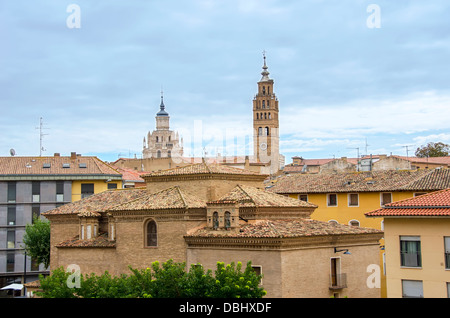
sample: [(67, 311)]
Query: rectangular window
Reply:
[(59, 191), (36, 191), (10, 256), (410, 254), (11, 239), (353, 199), (303, 197), (447, 251), (112, 186), (332, 199), (11, 218), (412, 289), (34, 265), (11, 192), (87, 189), (386, 198), (35, 211)]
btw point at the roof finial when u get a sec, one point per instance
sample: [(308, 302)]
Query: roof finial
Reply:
[(162, 107), (265, 73)]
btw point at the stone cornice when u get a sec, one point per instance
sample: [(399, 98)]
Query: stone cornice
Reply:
[(278, 243)]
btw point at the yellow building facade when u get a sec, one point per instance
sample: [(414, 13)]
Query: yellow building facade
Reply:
[(417, 242), (344, 198)]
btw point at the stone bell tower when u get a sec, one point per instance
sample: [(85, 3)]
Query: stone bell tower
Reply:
[(162, 142), (265, 122)]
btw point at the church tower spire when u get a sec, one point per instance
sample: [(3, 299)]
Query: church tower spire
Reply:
[(265, 122)]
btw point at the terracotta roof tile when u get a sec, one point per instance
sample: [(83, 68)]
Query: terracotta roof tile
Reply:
[(100, 202), (171, 198), (251, 196), (202, 168), (287, 228), (375, 181), (57, 165), (431, 204), (99, 241)]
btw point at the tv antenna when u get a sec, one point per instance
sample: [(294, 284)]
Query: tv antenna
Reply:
[(41, 136), (407, 151)]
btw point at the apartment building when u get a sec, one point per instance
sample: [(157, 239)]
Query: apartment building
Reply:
[(30, 186), (417, 245)]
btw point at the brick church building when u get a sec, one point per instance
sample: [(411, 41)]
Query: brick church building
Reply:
[(205, 213)]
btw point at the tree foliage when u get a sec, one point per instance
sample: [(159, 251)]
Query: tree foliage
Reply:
[(167, 280), (433, 149), (37, 241)]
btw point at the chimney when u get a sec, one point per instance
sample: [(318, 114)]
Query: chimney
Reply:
[(57, 154), (73, 155)]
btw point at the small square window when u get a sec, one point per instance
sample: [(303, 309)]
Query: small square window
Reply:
[(332, 199), (353, 199)]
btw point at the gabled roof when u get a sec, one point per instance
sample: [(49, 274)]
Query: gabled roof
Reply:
[(251, 196), (100, 202), (57, 165), (374, 181), (171, 198), (287, 229), (202, 168), (431, 204)]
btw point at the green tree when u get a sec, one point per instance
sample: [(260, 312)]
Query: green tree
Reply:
[(433, 149), (37, 241), (166, 280)]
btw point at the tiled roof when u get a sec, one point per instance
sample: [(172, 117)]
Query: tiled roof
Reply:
[(251, 196), (57, 165), (99, 241), (433, 160), (431, 204), (130, 175), (100, 202), (202, 168), (375, 181), (171, 198), (287, 228)]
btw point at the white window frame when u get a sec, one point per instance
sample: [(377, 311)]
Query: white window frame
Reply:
[(328, 200), (412, 284), (381, 198), (357, 200), (307, 198)]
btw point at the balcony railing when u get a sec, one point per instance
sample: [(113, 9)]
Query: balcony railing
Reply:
[(338, 281)]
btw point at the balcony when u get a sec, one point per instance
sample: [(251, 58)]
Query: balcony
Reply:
[(338, 281)]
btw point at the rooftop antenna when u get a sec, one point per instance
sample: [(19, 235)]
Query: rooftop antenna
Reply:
[(366, 146), (41, 136), (358, 162), (407, 150)]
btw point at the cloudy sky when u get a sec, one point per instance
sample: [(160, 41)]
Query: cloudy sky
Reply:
[(351, 76)]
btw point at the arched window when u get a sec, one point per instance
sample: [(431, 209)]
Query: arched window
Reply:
[(353, 223), (265, 115), (215, 220), (260, 132), (270, 117), (152, 235), (264, 103), (157, 138), (268, 104), (264, 90), (158, 154), (257, 115), (169, 154), (227, 220), (267, 131)]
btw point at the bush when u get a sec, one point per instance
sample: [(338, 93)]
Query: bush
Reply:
[(169, 280)]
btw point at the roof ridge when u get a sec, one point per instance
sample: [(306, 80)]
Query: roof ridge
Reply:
[(181, 195), (246, 193)]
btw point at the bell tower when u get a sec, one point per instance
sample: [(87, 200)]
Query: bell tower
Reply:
[(265, 122)]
